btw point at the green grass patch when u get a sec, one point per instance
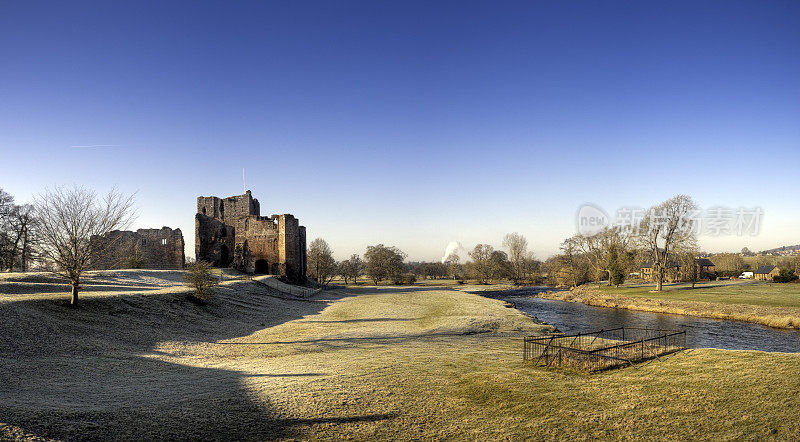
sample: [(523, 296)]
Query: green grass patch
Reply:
[(749, 293)]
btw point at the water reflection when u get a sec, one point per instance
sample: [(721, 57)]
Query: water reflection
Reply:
[(574, 317)]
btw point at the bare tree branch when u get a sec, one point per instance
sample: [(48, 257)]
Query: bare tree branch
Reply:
[(68, 220)]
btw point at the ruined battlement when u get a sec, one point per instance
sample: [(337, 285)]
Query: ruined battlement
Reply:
[(230, 232), (145, 249), (230, 208)]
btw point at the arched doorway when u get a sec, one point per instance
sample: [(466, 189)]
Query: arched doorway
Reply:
[(261, 267), (223, 256)]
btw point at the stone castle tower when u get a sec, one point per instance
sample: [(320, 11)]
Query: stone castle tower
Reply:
[(230, 232)]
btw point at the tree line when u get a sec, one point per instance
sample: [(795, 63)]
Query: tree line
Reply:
[(386, 263), (733, 264), (665, 238), (380, 263)]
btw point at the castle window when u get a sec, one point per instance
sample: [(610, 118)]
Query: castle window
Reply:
[(221, 209), (164, 241), (224, 232), (144, 242), (204, 210)]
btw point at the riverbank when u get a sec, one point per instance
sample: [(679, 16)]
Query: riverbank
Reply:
[(729, 302), (357, 363)]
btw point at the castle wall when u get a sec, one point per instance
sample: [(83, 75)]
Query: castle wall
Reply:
[(258, 237), (145, 248), (214, 240), (303, 252), (289, 245), (231, 232)]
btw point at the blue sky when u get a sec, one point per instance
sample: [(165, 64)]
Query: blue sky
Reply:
[(409, 123)]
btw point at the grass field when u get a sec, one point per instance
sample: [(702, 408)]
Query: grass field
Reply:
[(747, 292), (360, 363), (775, 305)]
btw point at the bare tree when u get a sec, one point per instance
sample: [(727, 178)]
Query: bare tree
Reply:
[(499, 265), (321, 264), (687, 260), (668, 229), (568, 260), (356, 267), (69, 218), (453, 263), (530, 267), (342, 270), (381, 262), (732, 264), (604, 249), (22, 237), (351, 268), (6, 200), (6, 231), (517, 247), (17, 234), (481, 262)]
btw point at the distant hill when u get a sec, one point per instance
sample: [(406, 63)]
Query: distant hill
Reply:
[(784, 249)]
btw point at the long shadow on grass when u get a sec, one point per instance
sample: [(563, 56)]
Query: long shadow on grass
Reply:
[(92, 373), (367, 290), (348, 321), (354, 340)]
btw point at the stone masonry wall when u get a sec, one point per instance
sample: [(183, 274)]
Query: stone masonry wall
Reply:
[(145, 248), (231, 232)]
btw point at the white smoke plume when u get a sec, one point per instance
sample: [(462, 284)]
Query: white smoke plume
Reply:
[(457, 248)]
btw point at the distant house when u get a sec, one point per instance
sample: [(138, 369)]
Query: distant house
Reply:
[(671, 272), (705, 269), (674, 273), (766, 273)]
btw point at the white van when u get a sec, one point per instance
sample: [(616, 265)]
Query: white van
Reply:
[(746, 275)]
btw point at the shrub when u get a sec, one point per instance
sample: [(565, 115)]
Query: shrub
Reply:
[(200, 278), (404, 279), (787, 275), (132, 260)]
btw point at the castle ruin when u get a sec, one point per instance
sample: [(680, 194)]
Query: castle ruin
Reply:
[(230, 232), (143, 249)]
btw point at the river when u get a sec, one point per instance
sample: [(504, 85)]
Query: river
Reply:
[(575, 317)]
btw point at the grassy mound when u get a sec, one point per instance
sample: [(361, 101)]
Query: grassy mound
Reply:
[(363, 363)]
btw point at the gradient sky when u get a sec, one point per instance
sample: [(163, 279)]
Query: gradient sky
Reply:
[(409, 123)]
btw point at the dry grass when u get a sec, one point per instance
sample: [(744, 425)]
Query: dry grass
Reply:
[(361, 363), (761, 303)]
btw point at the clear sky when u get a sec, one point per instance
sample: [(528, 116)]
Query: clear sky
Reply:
[(409, 123)]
